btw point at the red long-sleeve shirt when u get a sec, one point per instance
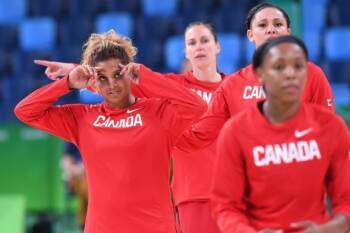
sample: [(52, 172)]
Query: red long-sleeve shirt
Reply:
[(126, 152), (268, 176), (192, 170), (242, 90)]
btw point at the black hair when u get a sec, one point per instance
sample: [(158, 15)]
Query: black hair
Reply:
[(207, 25), (260, 53), (252, 12)]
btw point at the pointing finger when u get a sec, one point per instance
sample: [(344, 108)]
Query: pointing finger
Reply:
[(44, 62)]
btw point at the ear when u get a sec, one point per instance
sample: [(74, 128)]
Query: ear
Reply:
[(250, 35), (260, 74), (218, 48), (289, 30), (184, 51)]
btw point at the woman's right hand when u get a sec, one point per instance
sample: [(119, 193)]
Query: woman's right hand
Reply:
[(81, 77), (54, 69)]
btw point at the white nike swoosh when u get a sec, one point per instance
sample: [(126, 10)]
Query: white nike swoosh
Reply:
[(132, 110), (299, 134), (329, 102)]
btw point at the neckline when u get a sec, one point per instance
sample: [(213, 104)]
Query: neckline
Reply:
[(110, 110), (287, 124), (193, 79)]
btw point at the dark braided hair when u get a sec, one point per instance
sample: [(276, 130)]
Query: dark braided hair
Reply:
[(252, 12), (260, 53)]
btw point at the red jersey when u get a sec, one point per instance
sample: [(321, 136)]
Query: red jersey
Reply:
[(192, 170), (268, 176), (126, 152), (242, 90)]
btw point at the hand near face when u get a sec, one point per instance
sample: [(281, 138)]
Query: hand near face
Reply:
[(308, 227), (131, 70), (270, 231), (54, 69), (82, 76)]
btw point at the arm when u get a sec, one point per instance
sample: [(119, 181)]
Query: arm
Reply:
[(38, 111), (181, 107), (202, 133), (321, 91), (207, 129), (338, 180), (229, 184), (338, 186), (152, 91), (338, 224), (54, 70)]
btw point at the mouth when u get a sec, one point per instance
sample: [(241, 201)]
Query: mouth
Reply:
[(114, 92), (270, 37), (199, 56), (291, 88)]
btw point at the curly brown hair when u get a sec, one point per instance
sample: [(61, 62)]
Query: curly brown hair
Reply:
[(101, 47)]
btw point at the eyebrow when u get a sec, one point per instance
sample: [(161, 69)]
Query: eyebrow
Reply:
[(203, 36), (264, 19), (114, 72)]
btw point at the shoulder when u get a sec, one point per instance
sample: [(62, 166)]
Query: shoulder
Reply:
[(145, 102), (152, 103), (314, 70), (178, 77), (79, 107), (240, 75), (322, 115), (332, 124), (145, 71), (240, 120), (316, 77), (313, 66)]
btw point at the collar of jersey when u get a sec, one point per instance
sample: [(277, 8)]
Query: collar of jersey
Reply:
[(290, 123), (108, 110), (211, 85)]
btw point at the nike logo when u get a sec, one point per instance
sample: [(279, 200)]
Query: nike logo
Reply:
[(302, 133), (132, 110), (329, 102)]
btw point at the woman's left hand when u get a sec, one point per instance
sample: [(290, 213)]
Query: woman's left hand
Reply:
[(131, 70), (309, 227)]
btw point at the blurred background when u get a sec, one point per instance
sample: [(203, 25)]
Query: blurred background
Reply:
[(37, 191)]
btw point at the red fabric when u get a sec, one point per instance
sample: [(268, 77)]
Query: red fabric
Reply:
[(193, 174), (192, 171), (268, 176), (242, 90), (126, 152), (195, 217)]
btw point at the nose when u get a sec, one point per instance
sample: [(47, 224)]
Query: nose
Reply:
[(271, 30), (199, 46), (112, 82), (289, 72)]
